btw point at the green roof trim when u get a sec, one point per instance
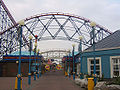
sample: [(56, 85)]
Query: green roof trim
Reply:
[(22, 53), (75, 53)]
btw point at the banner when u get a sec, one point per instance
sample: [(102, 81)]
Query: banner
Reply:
[(47, 67), (58, 67)]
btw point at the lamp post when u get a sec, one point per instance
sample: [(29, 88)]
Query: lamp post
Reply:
[(80, 51), (40, 67), (38, 64), (35, 56), (21, 23), (73, 61), (29, 74), (66, 66), (69, 64), (93, 24)]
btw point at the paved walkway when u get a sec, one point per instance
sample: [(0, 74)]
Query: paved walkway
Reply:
[(54, 81), (48, 81), (8, 83)]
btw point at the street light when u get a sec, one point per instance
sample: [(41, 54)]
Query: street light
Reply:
[(66, 65), (80, 51), (35, 55), (21, 23), (73, 45), (38, 64), (29, 74), (35, 61), (93, 24), (69, 64)]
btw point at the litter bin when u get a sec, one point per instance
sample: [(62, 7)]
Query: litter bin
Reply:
[(90, 83)]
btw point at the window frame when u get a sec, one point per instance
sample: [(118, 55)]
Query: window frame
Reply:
[(111, 65), (88, 65)]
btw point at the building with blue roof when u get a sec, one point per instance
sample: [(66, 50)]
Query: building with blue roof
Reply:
[(107, 53), (9, 67)]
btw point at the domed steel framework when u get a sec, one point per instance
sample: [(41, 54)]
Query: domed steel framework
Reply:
[(54, 54), (50, 26)]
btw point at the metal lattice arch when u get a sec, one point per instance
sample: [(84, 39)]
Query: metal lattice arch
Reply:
[(58, 26), (54, 54)]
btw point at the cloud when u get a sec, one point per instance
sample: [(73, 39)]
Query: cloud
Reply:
[(104, 12)]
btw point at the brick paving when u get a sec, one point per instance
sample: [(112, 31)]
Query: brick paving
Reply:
[(54, 81), (8, 83), (48, 81)]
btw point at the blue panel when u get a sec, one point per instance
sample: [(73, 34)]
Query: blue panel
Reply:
[(33, 68), (84, 65), (105, 61)]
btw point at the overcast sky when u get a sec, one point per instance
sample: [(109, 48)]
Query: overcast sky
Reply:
[(103, 12)]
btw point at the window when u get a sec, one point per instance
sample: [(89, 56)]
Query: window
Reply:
[(91, 66), (115, 66)]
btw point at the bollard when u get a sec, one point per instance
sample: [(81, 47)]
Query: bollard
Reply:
[(66, 74), (21, 84), (90, 83), (16, 84)]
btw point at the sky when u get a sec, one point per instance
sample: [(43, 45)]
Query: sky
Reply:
[(103, 12)]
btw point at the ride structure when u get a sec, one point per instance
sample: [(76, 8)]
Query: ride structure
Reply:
[(47, 26)]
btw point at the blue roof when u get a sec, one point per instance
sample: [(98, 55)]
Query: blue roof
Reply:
[(111, 41), (75, 53), (22, 53)]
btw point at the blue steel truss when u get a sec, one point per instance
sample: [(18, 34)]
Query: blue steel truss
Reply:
[(49, 26), (62, 26), (6, 21), (8, 37)]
